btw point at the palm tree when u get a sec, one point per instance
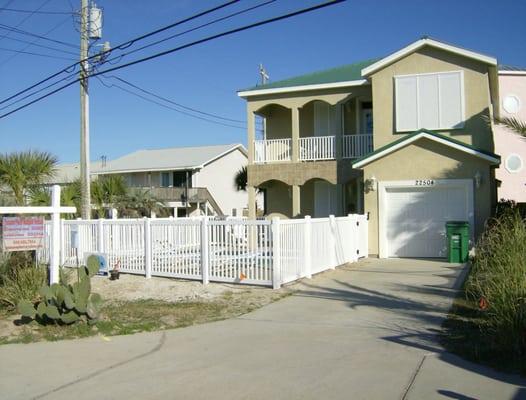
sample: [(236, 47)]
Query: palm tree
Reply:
[(108, 191), (20, 171), (514, 124), (240, 179), (140, 203), (69, 196)]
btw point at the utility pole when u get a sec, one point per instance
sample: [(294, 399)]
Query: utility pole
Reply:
[(85, 190)]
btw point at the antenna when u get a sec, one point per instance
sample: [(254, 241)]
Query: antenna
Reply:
[(264, 74)]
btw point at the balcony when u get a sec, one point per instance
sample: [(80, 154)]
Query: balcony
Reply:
[(315, 148), (178, 194)]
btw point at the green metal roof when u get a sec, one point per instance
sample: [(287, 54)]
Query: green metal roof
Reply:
[(413, 134), (350, 72)]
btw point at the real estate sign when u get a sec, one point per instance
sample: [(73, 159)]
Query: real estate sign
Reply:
[(22, 233)]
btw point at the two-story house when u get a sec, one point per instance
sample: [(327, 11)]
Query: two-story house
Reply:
[(190, 181), (404, 138)]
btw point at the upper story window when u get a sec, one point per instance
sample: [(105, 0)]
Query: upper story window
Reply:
[(165, 179), (430, 101)]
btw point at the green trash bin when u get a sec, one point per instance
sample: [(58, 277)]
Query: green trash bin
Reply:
[(457, 233)]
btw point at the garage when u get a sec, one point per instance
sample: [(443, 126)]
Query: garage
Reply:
[(413, 215)]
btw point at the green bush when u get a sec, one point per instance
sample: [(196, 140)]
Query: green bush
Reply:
[(497, 282), (20, 284)]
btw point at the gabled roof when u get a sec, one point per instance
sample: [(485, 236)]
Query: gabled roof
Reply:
[(167, 159), (426, 41), (346, 75), (436, 137)]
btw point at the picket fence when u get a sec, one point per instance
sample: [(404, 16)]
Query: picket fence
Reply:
[(235, 250)]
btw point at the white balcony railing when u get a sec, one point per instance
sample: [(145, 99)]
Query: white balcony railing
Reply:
[(313, 148), (273, 150), (317, 148), (355, 146)]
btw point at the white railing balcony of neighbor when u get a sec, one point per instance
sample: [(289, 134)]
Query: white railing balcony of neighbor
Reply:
[(273, 150)]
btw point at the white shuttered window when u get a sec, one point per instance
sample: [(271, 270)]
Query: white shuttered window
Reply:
[(430, 101)]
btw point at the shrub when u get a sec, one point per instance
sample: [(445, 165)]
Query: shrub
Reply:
[(22, 283), (497, 282)]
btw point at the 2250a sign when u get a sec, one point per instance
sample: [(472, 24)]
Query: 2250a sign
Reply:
[(424, 182)]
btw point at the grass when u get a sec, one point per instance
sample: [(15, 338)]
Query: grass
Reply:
[(487, 323), (124, 318)]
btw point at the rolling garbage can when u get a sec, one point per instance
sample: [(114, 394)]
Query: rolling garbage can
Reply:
[(457, 233)]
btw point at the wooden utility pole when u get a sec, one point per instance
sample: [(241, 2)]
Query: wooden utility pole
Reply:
[(85, 206)]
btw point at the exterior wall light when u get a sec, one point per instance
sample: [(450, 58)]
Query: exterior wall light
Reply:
[(478, 179), (370, 184)]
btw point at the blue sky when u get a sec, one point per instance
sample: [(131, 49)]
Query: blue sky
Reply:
[(207, 76)]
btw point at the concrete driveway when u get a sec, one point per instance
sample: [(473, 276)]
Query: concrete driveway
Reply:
[(367, 331)]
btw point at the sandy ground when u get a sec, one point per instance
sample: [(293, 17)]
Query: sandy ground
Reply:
[(136, 287)]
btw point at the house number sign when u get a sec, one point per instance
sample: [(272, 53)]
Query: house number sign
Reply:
[(424, 182)]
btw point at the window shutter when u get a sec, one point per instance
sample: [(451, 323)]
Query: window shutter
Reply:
[(451, 100), (428, 107), (406, 103)]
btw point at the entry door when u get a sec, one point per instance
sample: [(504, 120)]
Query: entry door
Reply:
[(324, 199), (415, 217)]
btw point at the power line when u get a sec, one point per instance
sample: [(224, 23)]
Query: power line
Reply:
[(33, 54), (120, 46), (16, 10), (170, 37), (41, 45), (36, 40), (173, 102), (27, 17), (170, 107), (22, 32), (179, 48)]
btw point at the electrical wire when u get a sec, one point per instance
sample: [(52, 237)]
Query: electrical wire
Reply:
[(171, 101), (33, 54), (26, 33), (16, 10), (41, 45), (55, 27), (120, 46), (179, 48), (27, 17)]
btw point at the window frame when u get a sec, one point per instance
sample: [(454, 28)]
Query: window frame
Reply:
[(462, 101)]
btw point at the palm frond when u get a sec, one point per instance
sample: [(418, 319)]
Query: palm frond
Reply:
[(514, 124)]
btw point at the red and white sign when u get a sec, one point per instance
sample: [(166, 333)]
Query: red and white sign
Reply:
[(22, 233)]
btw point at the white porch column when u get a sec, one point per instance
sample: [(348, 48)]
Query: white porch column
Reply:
[(251, 124), (295, 133)]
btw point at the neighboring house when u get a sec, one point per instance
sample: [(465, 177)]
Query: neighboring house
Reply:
[(189, 180), (403, 138), (512, 147)]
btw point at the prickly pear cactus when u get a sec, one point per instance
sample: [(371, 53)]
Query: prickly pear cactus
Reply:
[(67, 304)]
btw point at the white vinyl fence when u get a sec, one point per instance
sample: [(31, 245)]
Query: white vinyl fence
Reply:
[(234, 250)]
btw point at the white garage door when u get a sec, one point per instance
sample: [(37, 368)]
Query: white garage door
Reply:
[(415, 216)]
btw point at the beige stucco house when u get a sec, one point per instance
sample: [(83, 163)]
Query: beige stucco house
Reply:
[(404, 138)]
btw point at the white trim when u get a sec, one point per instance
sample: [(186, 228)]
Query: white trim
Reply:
[(237, 146), (426, 135), (259, 92), (502, 72), (421, 43), (506, 163), (438, 74), (129, 171), (383, 243)]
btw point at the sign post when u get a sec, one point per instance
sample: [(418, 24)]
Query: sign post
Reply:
[(55, 210)]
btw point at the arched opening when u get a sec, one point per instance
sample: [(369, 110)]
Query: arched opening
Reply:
[(277, 197), (321, 198), (276, 121)]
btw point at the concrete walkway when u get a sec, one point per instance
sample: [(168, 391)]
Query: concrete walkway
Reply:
[(360, 332)]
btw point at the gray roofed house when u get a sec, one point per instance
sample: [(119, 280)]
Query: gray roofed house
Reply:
[(191, 180)]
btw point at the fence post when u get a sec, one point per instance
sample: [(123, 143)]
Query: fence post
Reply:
[(62, 242), (308, 246), (147, 248), (332, 242), (276, 253), (204, 251), (54, 256), (100, 236)]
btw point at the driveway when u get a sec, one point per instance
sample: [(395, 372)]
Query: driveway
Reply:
[(366, 331)]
